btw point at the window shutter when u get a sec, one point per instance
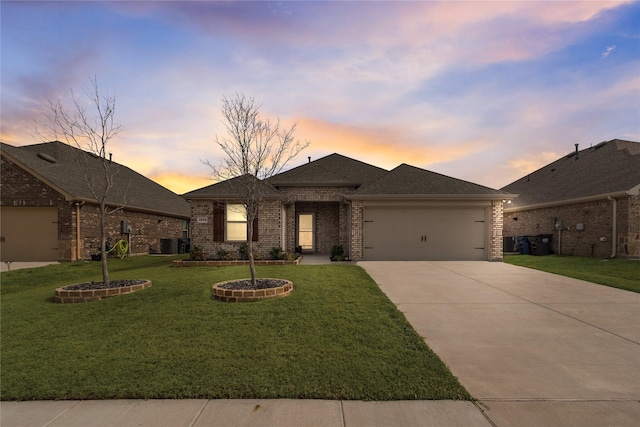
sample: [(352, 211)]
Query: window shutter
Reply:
[(218, 223), (255, 229)]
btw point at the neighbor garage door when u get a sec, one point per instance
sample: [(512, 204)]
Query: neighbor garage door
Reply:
[(29, 234), (411, 234)]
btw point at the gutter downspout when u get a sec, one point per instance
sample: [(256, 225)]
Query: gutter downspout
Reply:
[(559, 240), (614, 230), (283, 227)]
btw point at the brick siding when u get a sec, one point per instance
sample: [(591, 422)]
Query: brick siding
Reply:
[(331, 215), (20, 188), (337, 222), (269, 226), (495, 230), (595, 240), (147, 230), (357, 224), (327, 227), (629, 234)]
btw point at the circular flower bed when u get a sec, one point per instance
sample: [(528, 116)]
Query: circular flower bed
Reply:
[(93, 291), (242, 291), (89, 286)]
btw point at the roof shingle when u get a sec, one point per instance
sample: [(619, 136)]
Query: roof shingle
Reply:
[(606, 168), (233, 189), (412, 181), (130, 188), (334, 169)]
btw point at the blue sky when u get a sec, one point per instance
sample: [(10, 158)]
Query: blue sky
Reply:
[(482, 91)]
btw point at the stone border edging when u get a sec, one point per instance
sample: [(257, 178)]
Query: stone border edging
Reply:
[(218, 263), (62, 295), (233, 295)]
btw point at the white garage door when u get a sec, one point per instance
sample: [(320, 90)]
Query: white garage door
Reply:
[(29, 234), (432, 234)]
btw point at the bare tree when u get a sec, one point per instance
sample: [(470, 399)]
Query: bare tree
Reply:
[(90, 132), (255, 149)]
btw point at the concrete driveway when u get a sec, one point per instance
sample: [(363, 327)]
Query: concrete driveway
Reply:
[(535, 348)]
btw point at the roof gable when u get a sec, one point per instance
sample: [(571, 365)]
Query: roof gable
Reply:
[(56, 163), (406, 180), (233, 189), (334, 170), (606, 168)]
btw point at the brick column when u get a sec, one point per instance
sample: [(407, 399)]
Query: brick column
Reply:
[(356, 230), (495, 231)]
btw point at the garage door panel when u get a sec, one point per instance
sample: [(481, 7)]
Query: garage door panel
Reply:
[(29, 234), (424, 234)]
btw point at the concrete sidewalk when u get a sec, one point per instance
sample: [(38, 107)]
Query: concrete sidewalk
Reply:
[(11, 266), (536, 349), (240, 413)]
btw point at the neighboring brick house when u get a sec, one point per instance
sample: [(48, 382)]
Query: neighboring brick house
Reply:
[(49, 214), (587, 200), (404, 214)]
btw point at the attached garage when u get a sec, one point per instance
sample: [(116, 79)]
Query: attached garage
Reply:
[(29, 234), (411, 214), (418, 233)]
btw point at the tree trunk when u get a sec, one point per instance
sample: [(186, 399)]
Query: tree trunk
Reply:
[(103, 243), (252, 266)]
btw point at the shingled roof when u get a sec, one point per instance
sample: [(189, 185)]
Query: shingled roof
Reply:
[(371, 181), (232, 189), (334, 170), (410, 181), (56, 164), (608, 168)]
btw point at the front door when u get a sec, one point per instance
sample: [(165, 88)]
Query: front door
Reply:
[(306, 232)]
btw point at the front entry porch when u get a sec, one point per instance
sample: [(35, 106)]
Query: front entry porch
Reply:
[(319, 226)]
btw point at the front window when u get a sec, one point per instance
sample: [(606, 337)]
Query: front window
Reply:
[(236, 223)]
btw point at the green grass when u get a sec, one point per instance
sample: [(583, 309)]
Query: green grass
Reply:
[(618, 273), (337, 336)]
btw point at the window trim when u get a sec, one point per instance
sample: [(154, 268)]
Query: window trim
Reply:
[(220, 224), (227, 221)]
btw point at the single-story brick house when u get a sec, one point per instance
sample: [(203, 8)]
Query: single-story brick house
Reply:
[(587, 200), (407, 213), (49, 214)]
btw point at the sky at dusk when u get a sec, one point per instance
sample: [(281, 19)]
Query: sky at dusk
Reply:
[(482, 91)]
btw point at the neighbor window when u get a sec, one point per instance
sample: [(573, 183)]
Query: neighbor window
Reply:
[(185, 229), (236, 223)]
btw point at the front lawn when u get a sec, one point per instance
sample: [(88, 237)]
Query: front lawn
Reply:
[(618, 273), (337, 336)]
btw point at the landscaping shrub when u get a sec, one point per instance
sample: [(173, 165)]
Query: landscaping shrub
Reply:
[(197, 254), (277, 253), (337, 253), (243, 252), (224, 255)]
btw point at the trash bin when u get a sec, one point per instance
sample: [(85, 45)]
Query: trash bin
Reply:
[(184, 246), (541, 244), (523, 245)]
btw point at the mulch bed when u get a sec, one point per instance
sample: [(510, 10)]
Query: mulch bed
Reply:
[(245, 285), (90, 286)]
